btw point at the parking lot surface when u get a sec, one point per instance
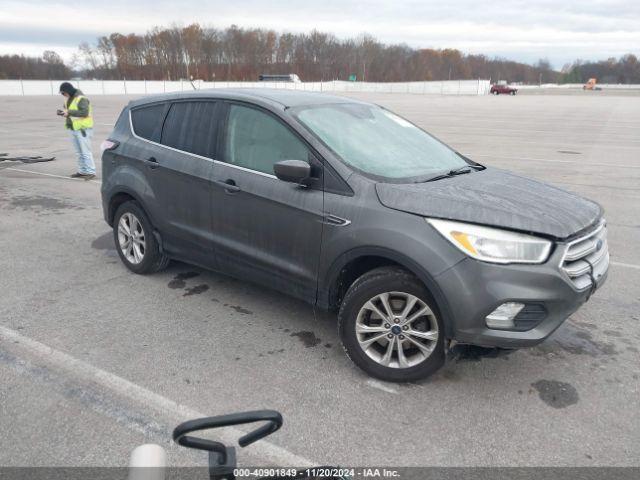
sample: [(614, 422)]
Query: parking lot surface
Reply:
[(95, 360)]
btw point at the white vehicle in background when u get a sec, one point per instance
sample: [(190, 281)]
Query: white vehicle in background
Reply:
[(290, 77)]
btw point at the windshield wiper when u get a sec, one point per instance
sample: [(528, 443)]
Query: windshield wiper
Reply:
[(451, 173)]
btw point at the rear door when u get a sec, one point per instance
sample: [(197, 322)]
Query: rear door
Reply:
[(182, 169), (265, 229)]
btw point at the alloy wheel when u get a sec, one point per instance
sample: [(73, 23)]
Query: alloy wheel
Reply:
[(131, 238), (397, 330)]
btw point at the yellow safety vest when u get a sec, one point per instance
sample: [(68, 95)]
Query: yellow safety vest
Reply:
[(80, 123)]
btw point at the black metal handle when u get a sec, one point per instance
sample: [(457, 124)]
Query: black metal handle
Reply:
[(273, 419), (229, 185), (152, 162)]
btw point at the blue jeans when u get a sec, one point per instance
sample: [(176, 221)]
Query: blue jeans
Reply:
[(83, 149)]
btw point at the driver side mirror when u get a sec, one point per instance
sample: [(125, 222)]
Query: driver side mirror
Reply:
[(295, 171)]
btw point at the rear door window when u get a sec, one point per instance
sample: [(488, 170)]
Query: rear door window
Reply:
[(147, 121), (191, 127)]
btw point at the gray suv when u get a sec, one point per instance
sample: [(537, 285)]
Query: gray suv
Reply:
[(353, 209)]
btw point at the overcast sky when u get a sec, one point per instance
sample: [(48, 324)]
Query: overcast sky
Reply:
[(560, 30)]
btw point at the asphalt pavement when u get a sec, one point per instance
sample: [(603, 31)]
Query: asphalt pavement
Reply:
[(95, 360)]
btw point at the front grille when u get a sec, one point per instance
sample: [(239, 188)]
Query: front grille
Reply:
[(587, 258)]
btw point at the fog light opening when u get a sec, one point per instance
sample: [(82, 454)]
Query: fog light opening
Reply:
[(502, 317)]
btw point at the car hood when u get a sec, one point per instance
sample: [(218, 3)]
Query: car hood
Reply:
[(497, 198)]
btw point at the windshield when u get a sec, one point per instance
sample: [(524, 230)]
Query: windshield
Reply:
[(378, 142)]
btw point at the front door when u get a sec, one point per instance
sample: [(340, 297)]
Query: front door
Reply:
[(265, 230)]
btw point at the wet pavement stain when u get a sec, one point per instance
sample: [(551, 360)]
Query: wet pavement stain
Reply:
[(179, 280), (569, 338), (590, 326), (197, 290), (583, 334), (473, 353), (309, 339), (41, 203), (556, 394), (104, 242), (239, 309), (271, 352), (612, 333), (451, 375)]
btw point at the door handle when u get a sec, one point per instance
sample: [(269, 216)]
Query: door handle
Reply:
[(229, 185), (152, 163)]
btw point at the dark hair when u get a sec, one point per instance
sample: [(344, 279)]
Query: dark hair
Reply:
[(66, 87)]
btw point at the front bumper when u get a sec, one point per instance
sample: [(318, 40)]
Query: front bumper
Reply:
[(474, 289)]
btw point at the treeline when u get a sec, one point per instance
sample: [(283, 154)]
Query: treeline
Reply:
[(237, 53), (624, 70), (49, 66)]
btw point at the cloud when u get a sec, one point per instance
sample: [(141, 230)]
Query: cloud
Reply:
[(517, 29)]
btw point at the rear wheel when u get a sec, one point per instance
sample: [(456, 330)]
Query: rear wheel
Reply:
[(137, 246), (390, 327)]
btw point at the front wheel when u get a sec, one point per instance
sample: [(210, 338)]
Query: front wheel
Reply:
[(390, 327), (137, 246)]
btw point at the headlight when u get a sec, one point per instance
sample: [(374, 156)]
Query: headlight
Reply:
[(492, 244)]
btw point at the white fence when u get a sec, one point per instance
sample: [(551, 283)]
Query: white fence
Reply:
[(566, 86), (141, 87)]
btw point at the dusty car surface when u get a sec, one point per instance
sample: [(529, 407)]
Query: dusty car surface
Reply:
[(351, 208)]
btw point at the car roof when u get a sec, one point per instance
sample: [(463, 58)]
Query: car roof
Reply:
[(282, 98)]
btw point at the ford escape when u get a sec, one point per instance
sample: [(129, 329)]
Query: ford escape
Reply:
[(354, 209)]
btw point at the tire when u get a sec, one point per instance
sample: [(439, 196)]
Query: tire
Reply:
[(143, 254), (397, 286), (513, 92)]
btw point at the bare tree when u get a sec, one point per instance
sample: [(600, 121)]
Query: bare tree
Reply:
[(237, 53), (49, 66)]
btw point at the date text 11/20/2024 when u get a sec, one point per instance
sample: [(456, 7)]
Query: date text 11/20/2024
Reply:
[(318, 473)]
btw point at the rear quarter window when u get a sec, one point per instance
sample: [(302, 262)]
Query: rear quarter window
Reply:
[(147, 121)]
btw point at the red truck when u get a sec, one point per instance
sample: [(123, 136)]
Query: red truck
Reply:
[(498, 88)]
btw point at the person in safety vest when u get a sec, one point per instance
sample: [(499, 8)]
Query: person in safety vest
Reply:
[(78, 116)]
